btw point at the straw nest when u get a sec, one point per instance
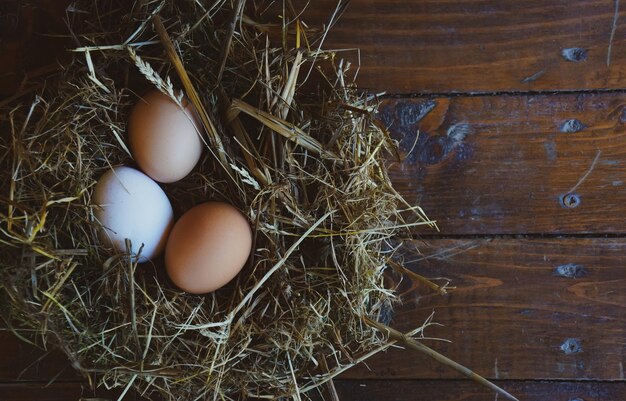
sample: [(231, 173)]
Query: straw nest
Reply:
[(291, 142)]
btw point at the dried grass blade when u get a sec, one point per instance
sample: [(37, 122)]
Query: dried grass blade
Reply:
[(290, 87), (214, 136), (279, 264), (54, 290), (411, 343), (282, 127), (238, 10), (403, 270)]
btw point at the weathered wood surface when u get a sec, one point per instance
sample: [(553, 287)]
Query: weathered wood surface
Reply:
[(350, 390), (522, 308), (434, 46), (502, 164), (482, 166), (20, 361), (33, 37), (454, 390), (414, 46), (59, 391)]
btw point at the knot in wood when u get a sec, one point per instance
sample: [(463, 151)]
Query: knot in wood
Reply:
[(570, 201), (574, 54), (571, 346)]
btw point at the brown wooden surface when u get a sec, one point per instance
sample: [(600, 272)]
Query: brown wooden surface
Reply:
[(513, 308), (435, 46), (20, 361), (412, 46), (454, 390), (32, 40), (397, 390), (58, 391), (500, 164), (483, 167)]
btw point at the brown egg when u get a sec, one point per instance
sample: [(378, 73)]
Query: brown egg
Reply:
[(207, 247), (164, 139)]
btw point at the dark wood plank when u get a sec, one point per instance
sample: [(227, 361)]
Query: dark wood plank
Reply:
[(483, 165), (454, 390), (33, 37), (434, 46), (415, 46), (501, 164), (59, 391), (515, 314), (522, 309), (23, 362), (350, 390)]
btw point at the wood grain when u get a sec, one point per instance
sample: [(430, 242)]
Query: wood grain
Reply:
[(502, 164), (540, 309), (33, 36), (456, 390), (352, 390), (22, 362), (410, 46), (523, 309), (434, 46), (59, 391)]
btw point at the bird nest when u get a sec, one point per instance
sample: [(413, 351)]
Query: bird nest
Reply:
[(290, 142)]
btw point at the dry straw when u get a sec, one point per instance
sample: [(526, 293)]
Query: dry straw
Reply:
[(290, 141)]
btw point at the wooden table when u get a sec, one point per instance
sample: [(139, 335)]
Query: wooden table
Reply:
[(521, 159)]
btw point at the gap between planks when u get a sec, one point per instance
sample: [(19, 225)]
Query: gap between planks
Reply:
[(422, 95)]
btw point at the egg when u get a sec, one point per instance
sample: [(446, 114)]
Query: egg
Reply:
[(130, 205), (164, 139), (207, 247)]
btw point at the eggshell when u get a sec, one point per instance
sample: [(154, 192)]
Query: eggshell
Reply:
[(164, 139), (131, 205), (207, 247)]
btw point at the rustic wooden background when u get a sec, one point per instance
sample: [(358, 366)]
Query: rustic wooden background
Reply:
[(521, 158)]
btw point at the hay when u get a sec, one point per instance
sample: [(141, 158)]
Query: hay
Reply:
[(305, 162)]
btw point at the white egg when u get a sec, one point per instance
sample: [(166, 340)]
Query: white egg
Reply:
[(130, 205)]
